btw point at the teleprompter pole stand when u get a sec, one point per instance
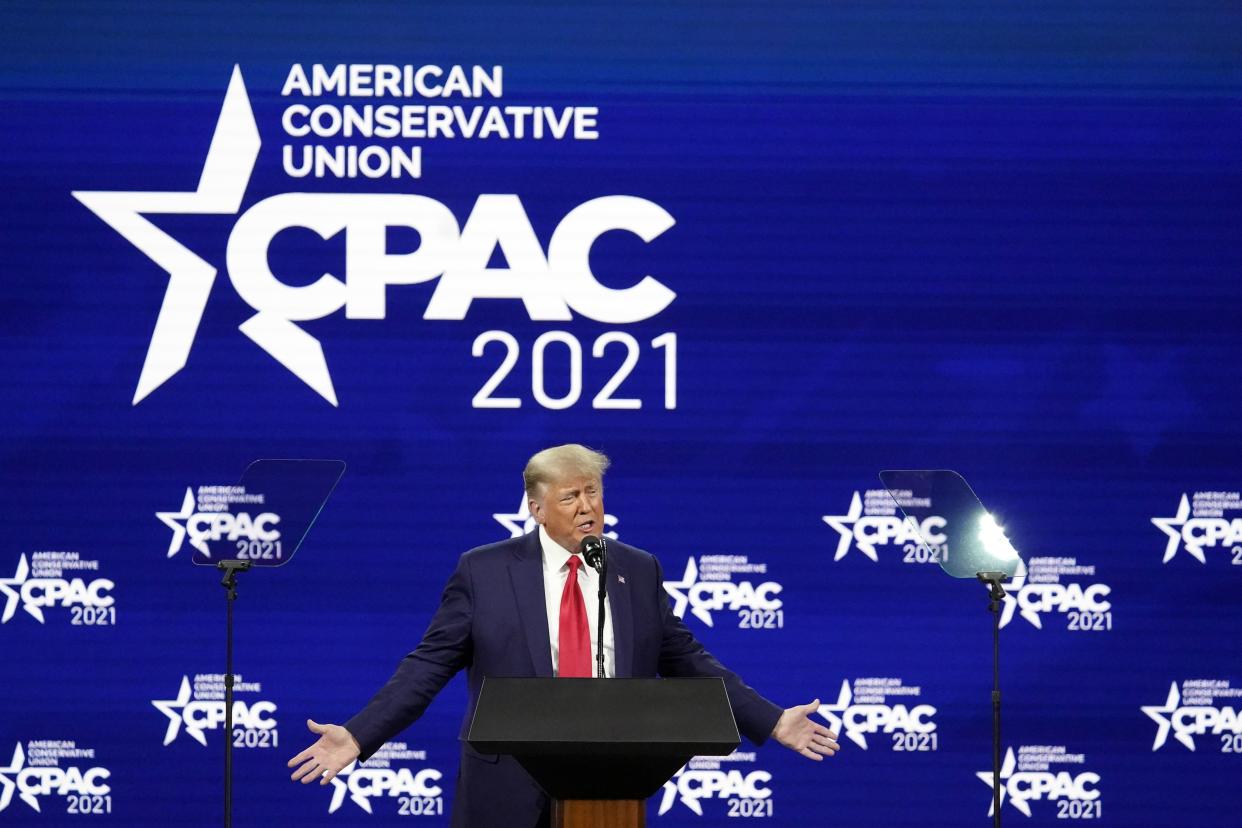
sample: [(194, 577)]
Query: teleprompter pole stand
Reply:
[(996, 595), (230, 568)]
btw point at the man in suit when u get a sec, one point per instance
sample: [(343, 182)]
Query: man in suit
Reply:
[(512, 609)]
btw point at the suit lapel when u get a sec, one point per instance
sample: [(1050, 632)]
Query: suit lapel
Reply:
[(622, 619), (526, 573)]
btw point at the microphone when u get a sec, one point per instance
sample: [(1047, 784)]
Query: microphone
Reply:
[(593, 552)]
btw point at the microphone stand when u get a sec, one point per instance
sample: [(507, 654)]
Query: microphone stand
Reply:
[(603, 610), (996, 594), (595, 552)]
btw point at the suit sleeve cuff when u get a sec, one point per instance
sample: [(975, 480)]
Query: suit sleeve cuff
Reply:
[(757, 719)]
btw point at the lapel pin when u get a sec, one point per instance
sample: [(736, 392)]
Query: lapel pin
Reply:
[(621, 579)]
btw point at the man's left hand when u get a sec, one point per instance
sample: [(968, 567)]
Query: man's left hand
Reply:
[(795, 730)]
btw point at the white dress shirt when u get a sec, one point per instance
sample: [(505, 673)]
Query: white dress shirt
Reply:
[(555, 570)]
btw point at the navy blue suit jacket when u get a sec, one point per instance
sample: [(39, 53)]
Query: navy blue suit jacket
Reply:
[(493, 621)]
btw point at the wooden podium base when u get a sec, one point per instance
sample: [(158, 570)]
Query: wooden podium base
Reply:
[(599, 813)]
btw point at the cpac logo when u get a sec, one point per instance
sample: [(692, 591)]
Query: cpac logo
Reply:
[(520, 522), (1030, 600), (31, 783), (1189, 721), (550, 285), (705, 597), (1196, 533), (861, 719), (1024, 787), (691, 786), (202, 527), (1033, 599), (363, 783), (867, 532), (198, 716), (36, 594)]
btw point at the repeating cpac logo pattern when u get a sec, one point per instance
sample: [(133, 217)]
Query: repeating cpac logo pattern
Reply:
[(745, 791), (1206, 520), (707, 585), (551, 285), (210, 517), (40, 770), (520, 522), (40, 584), (1042, 587), (199, 708), (393, 773), (1195, 710), (866, 709), (873, 521), (1037, 774)]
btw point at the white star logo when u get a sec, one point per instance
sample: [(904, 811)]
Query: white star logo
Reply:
[(679, 592), (1007, 768), (672, 793), (1172, 528), (340, 787), (8, 785), (172, 709), (176, 522), (844, 525), (221, 187), (1161, 715), (834, 714), (11, 587), (517, 523)]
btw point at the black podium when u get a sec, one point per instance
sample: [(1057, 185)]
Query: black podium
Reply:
[(601, 747)]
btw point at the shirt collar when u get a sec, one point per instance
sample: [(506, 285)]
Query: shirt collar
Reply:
[(555, 556)]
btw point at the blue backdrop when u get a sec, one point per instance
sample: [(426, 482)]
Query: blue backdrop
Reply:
[(996, 237)]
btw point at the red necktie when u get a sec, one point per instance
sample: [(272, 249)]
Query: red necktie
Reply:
[(575, 636)]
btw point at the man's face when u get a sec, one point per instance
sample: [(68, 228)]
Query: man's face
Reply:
[(570, 508)]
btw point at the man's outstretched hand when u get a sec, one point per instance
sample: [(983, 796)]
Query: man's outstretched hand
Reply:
[(323, 760), (795, 730)]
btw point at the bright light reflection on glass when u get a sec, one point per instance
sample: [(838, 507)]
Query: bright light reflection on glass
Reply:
[(992, 536)]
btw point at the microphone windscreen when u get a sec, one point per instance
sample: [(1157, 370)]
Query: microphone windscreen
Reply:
[(592, 550)]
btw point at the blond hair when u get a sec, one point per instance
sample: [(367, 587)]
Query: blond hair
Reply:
[(559, 461)]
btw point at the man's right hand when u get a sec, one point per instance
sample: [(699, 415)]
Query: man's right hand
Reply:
[(326, 758)]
